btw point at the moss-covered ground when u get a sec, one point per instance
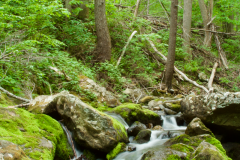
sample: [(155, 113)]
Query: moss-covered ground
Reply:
[(26, 130), (118, 149)]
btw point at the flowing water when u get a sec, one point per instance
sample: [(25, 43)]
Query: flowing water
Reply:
[(158, 138)]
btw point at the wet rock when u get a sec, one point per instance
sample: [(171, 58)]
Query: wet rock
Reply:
[(158, 128), (219, 109), (179, 119), (169, 111), (208, 151), (46, 143), (91, 128), (146, 99), (131, 148), (134, 112), (143, 136), (135, 128), (196, 127), (11, 151)]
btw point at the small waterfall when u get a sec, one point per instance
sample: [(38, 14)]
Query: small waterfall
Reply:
[(170, 123), (158, 138), (72, 143)]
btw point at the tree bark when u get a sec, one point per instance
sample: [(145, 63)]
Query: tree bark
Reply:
[(103, 48), (68, 6), (136, 9), (171, 45), (187, 19), (206, 19), (84, 13)]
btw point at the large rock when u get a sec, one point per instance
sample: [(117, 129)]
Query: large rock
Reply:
[(135, 128), (91, 128), (135, 94), (143, 136), (218, 109), (11, 151), (196, 127), (134, 112), (194, 146), (209, 152), (102, 94), (39, 136)]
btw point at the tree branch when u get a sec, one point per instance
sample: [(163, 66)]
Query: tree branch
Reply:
[(14, 96)]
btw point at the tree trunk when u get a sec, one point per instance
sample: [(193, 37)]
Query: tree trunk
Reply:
[(103, 48), (68, 6), (171, 45), (187, 19), (206, 19), (136, 9), (84, 13)]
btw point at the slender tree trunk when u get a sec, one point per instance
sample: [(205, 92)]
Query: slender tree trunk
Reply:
[(237, 18), (137, 7), (206, 19), (187, 19), (172, 45), (103, 48)]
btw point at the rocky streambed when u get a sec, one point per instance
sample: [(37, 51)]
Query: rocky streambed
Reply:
[(156, 128)]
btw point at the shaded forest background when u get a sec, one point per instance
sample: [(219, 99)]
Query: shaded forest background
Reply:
[(47, 46)]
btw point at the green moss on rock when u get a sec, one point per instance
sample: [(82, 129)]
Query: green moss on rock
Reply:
[(134, 112), (118, 149), (89, 155), (27, 130)]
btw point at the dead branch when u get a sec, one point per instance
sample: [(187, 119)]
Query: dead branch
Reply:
[(177, 70), (14, 96), (125, 47), (20, 105), (220, 50), (212, 77)]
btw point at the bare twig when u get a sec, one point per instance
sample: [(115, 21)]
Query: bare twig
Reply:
[(20, 105)]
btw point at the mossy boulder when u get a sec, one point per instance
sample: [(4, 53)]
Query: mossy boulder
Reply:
[(165, 154), (208, 151), (146, 99), (33, 134), (91, 128), (134, 112), (196, 127), (187, 144), (121, 147)]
